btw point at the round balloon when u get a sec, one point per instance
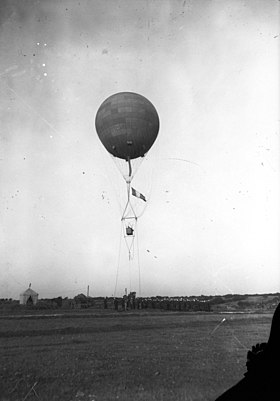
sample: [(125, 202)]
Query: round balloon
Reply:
[(127, 125)]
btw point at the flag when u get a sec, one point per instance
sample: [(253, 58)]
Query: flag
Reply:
[(138, 195)]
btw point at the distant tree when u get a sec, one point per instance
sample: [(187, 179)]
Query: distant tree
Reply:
[(243, 304), (42, 305), (83, 300)]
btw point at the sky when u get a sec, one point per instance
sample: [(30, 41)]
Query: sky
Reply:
[(211, 221)]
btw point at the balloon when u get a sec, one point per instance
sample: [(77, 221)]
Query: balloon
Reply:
[(127, 125)]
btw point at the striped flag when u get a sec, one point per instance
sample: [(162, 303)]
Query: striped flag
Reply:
[(138, 195)]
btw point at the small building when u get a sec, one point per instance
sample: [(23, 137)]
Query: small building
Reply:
[(28, 297)]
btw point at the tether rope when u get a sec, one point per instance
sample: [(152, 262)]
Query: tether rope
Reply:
[(118, 264), (138, 259)]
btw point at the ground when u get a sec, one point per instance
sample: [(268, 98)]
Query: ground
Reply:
[(154, 355)]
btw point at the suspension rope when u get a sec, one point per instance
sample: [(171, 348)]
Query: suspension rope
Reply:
[(129, 240), (149, 190), (112, 182), (129, 214), (129, 268), (138, 260), (128, 207), (118, 265)]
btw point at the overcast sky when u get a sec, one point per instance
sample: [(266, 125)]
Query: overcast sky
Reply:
[(211, 223)]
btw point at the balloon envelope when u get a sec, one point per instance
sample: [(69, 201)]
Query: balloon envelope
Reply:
[(127, 124)]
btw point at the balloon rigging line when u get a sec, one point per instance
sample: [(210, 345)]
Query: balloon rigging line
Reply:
[(129, 268), (131, 247), (10, 274), (185, 160), (112, 184), (117, 193), (138, 259), (128, 203), (118, 264), (182, 160), (149, 194), (33, 110)]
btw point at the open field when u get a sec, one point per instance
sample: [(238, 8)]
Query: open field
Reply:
[(125, 356)]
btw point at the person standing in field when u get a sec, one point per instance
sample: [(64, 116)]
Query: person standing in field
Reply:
[(261, 381)]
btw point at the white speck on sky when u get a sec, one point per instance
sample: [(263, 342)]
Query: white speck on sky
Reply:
[(211, 223)]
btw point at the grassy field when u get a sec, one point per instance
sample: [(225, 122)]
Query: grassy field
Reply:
[(125, 356)]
